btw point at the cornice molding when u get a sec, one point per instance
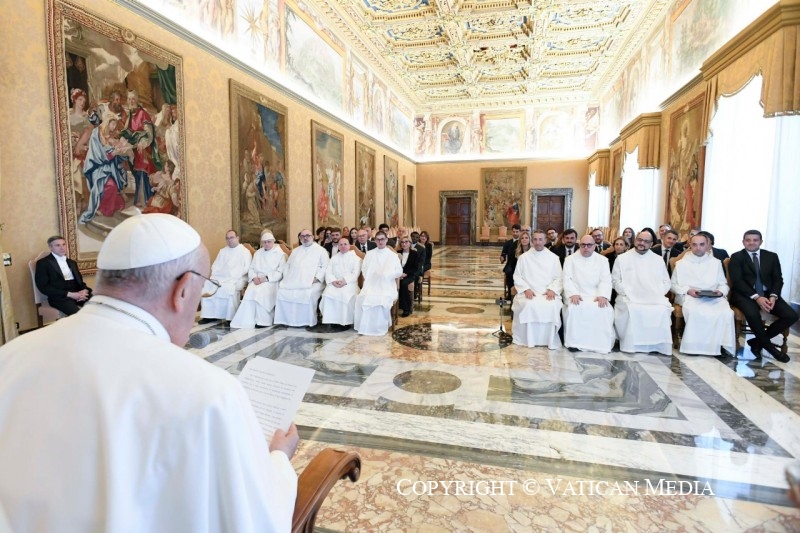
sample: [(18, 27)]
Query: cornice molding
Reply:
[(642, 121)]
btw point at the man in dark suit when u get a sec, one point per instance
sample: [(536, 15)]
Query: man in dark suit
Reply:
[(336, 236), (410, 262), (568, 245), (719, 253), (363, 242), (58, 278), (552, 238), (757, 283), (508, 257), (667, 249), (600, 245)]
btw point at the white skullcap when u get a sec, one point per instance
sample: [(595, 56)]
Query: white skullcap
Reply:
[(267, 236), (147, 240)]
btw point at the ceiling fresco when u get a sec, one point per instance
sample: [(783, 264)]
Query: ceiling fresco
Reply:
[(460, 54)]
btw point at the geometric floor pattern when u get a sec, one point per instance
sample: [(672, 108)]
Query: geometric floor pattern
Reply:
[(461, 431)]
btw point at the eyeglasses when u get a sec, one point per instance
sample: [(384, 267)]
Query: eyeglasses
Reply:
[(305, 235), (380, 239), (585, 245), (644, 241), (214, 282)]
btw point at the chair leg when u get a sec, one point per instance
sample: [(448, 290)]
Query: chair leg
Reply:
[(737, 328)]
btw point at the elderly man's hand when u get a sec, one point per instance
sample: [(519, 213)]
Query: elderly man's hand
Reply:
[(285, 441)]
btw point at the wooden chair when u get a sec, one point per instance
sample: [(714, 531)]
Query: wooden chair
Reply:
[(739, 321), (502, 234), (285, 248), (317, 480), (360, 255), (425, 280), (44, 312), (485, 231), (249, 248), (677, 309)]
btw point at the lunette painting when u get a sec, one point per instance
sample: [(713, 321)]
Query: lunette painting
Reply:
[(117, 115)]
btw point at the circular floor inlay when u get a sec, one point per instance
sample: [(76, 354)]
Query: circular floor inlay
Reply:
[(464, 310), (449, 338), (427, 381)]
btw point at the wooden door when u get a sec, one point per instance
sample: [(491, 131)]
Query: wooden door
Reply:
[(458, 213), (550, 213)]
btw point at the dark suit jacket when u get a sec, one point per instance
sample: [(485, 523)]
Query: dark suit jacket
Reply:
[(673, 252), (743, 273), (412, 264), (561, 251), (510, 254), (370, 245), (719, 253), (604, 246), (50, 281)]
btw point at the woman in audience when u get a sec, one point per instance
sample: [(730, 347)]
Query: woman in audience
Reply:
[(524, 243), (425, 240), (353, 235), (320, 235), (628, 234), (619, 248)]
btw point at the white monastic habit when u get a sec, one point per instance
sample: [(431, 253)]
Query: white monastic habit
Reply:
[(373, 314), (642, 314), (106, 425), (536, 321), (587, 326), (230, 270), (709, 321), (302, 285), (337, 304), (258, 304)]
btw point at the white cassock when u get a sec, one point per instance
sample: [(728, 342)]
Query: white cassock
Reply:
[(536, 321), (642, 314), (258, 304), (338, 303), (302, 285), (587, 326), (130, 433), (709, 321), (230, 270), (373, 314)]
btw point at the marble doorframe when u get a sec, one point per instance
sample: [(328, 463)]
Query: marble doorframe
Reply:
[(473, 220), (565, 192)]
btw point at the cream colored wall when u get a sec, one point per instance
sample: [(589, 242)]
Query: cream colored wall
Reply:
[(433, 178), (28, 201)]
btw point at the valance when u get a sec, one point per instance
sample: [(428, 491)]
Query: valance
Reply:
[(645, 132), (600, 163)]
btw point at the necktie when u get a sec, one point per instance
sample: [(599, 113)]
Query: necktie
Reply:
[(599, 249), (666, 257), (757, 265), (363, 247), (569, 251)]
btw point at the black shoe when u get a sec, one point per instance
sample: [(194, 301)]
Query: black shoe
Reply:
[(405, 314), (259, 326), (755, 347), (207, 320), (776, 353), (573, 349)]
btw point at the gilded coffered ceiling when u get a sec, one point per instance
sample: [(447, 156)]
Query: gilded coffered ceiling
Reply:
[(450, 55)]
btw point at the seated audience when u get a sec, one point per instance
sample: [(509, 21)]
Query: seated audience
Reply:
[(552, 238), (757, 284), (362, 241), (628, 234), (129, 432), (230, 272), (302, 284), (568, 245), (719, 253), (652, 236), (537, 305), (642, 314), (57, 277), (381, 268), (588, 315), (338, 301), (599, 240), (709, 320), (332, 246), (508, 257), (353, 236), (425, 240), (668, 248), (266, 271)]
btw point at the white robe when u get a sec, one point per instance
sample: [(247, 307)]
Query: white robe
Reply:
[(709, 321), (258, 303), (230, 270), (536, 321), (129, 432), (587, 326), (337, 304), (301, 287), (373, 313), (642, 314)]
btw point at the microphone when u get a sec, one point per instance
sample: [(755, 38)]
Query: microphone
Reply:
[(201, 339)]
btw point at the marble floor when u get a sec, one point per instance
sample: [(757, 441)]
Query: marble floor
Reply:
[(459, 430)]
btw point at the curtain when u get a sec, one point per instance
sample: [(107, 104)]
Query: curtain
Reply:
[(166, 80), (638, 198), (599, 202)]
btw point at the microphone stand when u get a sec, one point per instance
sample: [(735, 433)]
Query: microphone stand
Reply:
[(501, 333)]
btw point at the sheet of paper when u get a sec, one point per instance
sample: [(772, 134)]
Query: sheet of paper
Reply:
[(275, 390)]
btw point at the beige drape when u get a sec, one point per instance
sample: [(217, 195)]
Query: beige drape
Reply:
[(600, 164), (645, 132), (770, 46)]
